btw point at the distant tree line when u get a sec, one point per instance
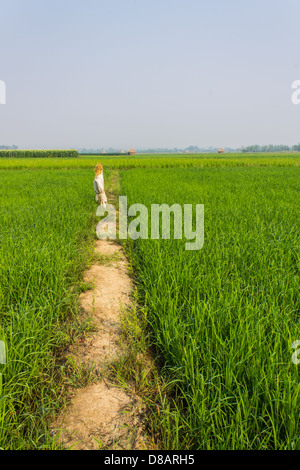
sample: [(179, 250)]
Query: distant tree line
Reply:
[(196, 149), (190, 149), (13, 153), (6, 147), (270, 148)]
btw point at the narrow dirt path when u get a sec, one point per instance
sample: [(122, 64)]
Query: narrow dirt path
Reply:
[(103, 415)]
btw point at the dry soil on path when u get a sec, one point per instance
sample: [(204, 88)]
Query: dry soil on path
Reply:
[(103, 415)]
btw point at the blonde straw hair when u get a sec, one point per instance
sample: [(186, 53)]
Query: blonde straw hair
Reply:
[(98, 169)]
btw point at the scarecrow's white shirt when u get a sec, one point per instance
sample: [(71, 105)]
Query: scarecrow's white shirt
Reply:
[(99, 184)]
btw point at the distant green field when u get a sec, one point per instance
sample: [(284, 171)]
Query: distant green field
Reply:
[(154, 161), (224, 318)]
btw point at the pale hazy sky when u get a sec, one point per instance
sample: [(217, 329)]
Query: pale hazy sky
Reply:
[(149, 73)]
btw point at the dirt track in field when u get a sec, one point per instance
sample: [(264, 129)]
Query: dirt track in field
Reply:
[(103, 415)]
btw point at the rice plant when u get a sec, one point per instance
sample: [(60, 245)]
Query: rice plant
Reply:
[(224, 317), (46, 233)]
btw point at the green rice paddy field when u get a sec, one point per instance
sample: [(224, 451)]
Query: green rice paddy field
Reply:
[(222, 319)]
